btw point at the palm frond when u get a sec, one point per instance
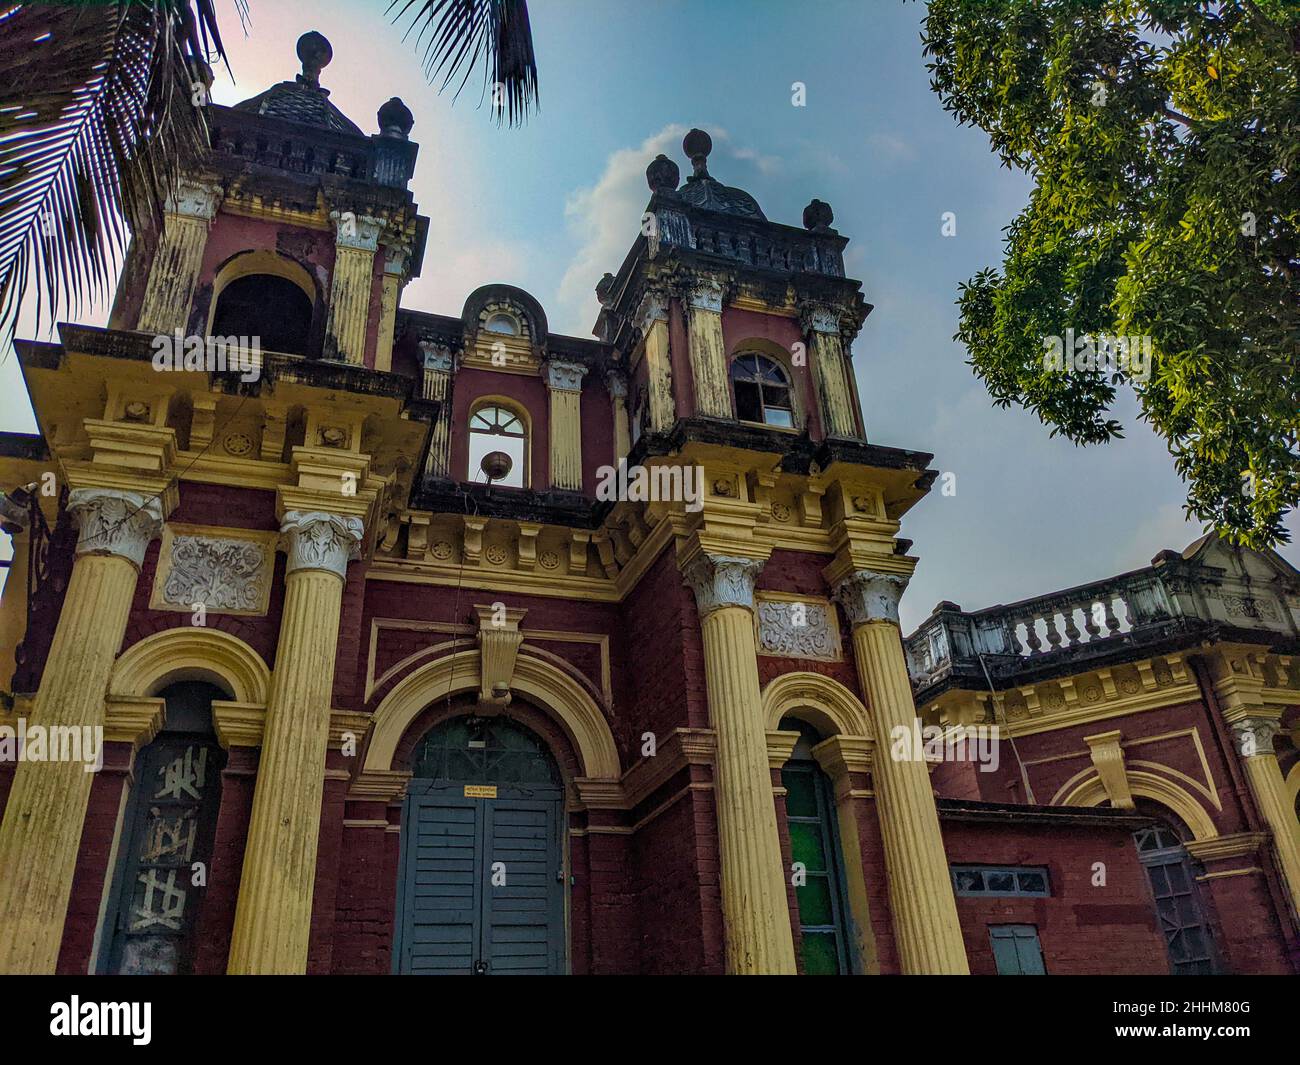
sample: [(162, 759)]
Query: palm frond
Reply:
[(494, 35), (97, 123)]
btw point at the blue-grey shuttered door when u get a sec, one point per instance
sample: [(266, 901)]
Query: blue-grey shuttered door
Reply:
[(523, 919), (482, 883), (443, 891)]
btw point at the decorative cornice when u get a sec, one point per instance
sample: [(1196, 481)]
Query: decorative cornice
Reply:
[(870, 596), (1238, 845), (722, 580), (113, 522), (317, 540)]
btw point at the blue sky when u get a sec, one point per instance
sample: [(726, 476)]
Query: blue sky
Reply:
[(553, 205)]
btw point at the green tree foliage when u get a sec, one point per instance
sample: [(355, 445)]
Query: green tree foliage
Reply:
[(1162, 137)]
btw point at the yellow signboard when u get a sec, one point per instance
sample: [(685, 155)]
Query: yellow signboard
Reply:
[(480, 791)]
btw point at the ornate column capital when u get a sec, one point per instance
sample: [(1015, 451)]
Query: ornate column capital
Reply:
[(313, 539), (653, 308), (722, 580), (437, 357), (616, 384), (114, 522), (195, 199), (1253, 733), (870, 596), (706, 295), (360, 231), (819, 318), (564, 376)]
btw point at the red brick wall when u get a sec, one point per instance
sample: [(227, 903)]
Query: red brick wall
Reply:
[(1084, 930)]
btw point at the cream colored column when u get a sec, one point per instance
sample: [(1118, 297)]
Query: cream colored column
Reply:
[(438, 365), (616, 384), (564, 383), (708, 350), (175, 268), (356, 240), (393, 280), (755, 907), (920, 888), (652, 319), (1253, 735), (41, 832), (830, 370), (273, 916)]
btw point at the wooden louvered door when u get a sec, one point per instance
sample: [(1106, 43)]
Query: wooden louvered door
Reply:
[(482, 882)]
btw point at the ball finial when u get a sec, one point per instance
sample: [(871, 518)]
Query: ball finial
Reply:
[(395, 119), (818, 215), (315, 53), (697, 144), (662, 174)]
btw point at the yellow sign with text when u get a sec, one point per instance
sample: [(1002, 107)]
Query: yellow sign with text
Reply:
[(480, 791)]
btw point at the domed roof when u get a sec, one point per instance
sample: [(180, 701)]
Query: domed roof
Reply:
[(303, 99)]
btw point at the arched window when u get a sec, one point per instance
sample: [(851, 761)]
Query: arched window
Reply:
[(762, 390), (814, 842), (505, 324), (493, 427), (169, 825), (1179, 907), (271, 308)]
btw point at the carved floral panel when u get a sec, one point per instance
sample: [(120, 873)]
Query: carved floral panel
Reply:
[(798, 628), (227, 570)]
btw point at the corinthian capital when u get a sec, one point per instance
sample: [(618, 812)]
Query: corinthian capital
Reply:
[(564, 376), (870, 596), (1254, 734), (722, 580), (316, 540), (112, 522)]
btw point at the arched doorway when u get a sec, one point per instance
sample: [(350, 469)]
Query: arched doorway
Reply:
[(1180, 909), (166, 836), (826, 945), (481, 882)]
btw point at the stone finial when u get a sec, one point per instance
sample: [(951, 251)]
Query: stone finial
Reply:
[(697, 144), (818, 216), (315, 53), (662, 175), (395, 119), (605, 286)]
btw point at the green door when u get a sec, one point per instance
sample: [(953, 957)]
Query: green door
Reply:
[(481, 886)]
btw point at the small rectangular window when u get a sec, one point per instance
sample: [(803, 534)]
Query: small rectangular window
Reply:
[(1016, 950), (1000, 880)]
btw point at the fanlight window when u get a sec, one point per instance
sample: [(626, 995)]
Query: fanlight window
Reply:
[(762, 391), (503, 323), (495, 428)]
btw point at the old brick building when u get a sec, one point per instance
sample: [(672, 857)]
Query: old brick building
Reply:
[(390, 680)]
